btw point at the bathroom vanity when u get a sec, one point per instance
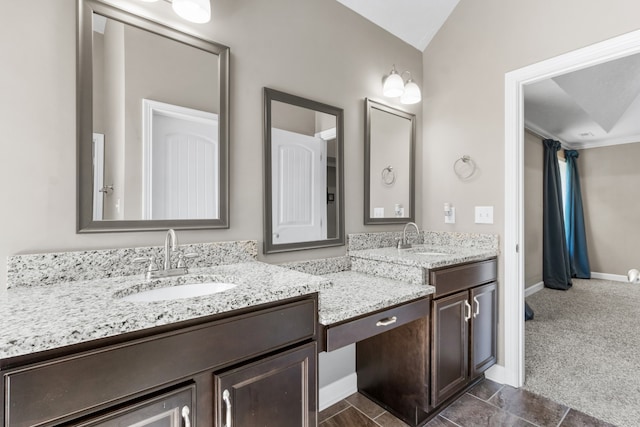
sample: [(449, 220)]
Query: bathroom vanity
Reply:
[(82, 353), (416, 369)]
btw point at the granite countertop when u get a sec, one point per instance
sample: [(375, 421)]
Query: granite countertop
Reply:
[(354, 294), (426, 256), (38, 318)]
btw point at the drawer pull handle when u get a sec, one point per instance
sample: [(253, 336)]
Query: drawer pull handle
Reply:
[(475, 299), (185, 416), (386, 322), (227, 402), (467, 306)]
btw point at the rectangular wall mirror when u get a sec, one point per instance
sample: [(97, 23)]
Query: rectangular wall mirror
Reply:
[(303, 149), (153, 122), (389, 195)]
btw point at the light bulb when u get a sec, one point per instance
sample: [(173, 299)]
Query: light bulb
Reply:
[(393, 85), (411, 93), (198, 11)]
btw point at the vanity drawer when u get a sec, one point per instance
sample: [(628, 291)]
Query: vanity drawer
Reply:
[(67, 387), (359, 329), (464, 276)]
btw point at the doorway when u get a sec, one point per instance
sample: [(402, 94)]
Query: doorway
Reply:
[(512, 372)]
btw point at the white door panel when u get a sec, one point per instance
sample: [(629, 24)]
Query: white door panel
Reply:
[(299, 187), (182, 180)]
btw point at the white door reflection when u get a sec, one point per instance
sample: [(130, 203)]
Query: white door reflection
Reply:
[(181, 154), (299, 187)]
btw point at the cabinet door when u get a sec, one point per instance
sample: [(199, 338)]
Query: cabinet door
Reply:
[(450, 346), (172, 409), (484, 328), (279, 391)]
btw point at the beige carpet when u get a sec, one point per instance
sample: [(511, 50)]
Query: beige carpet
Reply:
[(583, 349)]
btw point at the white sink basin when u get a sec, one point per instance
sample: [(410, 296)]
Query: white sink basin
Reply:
[(179, 292)]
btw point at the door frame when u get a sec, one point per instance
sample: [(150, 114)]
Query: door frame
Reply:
[(512, 372)]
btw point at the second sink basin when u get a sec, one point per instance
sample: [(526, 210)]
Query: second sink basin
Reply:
[(179, 292)]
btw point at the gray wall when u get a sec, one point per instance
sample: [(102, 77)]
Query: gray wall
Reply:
[(609, 177), (282, 44), (463, 110), (533, 164)]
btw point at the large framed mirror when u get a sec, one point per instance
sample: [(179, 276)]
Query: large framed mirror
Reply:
[(303, 182), (389, 184), (153, 125)]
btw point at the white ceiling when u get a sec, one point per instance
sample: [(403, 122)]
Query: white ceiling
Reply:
[(414, 21), (592, 107)]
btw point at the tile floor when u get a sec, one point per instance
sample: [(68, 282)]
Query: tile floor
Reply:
[(487, 404)]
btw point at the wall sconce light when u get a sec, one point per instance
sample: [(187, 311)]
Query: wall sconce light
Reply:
[(197, 11), (394, 86)]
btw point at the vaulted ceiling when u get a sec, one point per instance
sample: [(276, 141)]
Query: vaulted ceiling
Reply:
[(414, 21)]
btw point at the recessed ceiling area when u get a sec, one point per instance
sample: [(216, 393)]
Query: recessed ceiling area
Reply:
[(592, 107), (413, 21)]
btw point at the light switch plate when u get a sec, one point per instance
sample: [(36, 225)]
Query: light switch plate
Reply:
[(378, 212), (484, 214)]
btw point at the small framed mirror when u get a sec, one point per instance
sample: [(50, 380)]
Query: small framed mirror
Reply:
[(153, 120), (303, 149), (389, 182)]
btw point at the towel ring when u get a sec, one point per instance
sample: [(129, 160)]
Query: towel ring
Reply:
[(388, 175), (464, 167)]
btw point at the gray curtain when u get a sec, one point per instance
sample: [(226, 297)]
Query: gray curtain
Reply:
[(556, 268)]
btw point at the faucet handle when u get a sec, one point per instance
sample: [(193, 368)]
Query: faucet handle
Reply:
[(152, 266), (182, 257)]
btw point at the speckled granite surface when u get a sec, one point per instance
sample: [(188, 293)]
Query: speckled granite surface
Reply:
[(54, 268), (360, 241), (36, 318), (354, 294), (385, 239), (466, 240), (421, 256), (320, 266), (390, 270)]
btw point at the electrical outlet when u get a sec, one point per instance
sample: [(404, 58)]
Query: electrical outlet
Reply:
[(484, 214), (451, 218)]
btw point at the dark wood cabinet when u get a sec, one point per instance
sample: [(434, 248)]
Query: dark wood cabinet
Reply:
[(415, 369), (279, 391), (484, 328), (450, 346), (464, 327), (123, 380)]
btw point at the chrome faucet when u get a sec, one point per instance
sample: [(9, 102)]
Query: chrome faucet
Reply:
[(170, 237), (403, 244), (170, 246)]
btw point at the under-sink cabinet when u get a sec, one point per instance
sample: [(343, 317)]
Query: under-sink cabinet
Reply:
[(464, 326), (247, 365)]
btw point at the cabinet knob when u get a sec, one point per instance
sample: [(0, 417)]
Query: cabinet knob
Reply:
[(185, 416), (475, 313)]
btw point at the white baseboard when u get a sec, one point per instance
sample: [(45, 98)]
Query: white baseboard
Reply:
[(533, 289), (607, 276), (498, 374), (337, 390)]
